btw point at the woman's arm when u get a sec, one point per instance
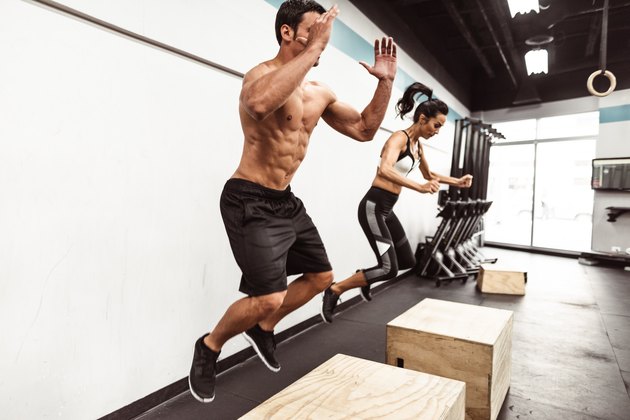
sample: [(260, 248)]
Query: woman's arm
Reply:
[(396, 143), (463, 182)]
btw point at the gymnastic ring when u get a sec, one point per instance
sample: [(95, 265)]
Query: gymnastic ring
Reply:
[(611, 78)]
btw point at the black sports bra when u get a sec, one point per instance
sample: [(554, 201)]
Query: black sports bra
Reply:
[(406, 161)]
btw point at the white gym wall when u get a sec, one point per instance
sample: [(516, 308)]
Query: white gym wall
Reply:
[(113, 154)]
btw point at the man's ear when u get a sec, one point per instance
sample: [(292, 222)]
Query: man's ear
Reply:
[(286, 32)]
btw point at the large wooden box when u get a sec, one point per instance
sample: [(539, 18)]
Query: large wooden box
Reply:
[(346, 387), (501, 279), (465, 342)]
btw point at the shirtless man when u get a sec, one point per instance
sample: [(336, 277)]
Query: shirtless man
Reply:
[(270, 233)]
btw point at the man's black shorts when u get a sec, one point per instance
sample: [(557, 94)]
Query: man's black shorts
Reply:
[(271, 236)]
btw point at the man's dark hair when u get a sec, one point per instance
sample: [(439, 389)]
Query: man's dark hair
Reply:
[(291, 12)]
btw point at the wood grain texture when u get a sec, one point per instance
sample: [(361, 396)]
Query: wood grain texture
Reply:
[(495, 279), (479, 356), (466, 322), (346, 387), (501, 369)]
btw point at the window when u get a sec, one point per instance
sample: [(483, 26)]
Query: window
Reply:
[(564, 199), (517, 130), (540, 186), (510, 188)]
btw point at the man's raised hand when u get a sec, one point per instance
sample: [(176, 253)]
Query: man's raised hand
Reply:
[(384, 60), (320, 30)]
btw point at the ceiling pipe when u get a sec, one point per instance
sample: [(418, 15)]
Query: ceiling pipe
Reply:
[(586, 12), (496, 42), (504, 18), (461, 25)]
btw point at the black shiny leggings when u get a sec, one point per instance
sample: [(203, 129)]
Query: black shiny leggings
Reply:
[(385, 235)]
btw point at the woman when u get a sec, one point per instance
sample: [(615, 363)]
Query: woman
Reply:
[(401, 154)]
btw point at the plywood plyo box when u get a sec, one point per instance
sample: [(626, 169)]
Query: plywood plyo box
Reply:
[(346, 387), (465, 342), (502, 280)]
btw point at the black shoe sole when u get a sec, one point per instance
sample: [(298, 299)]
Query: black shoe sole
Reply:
[(321, 313), (253, 344), (197, 397)]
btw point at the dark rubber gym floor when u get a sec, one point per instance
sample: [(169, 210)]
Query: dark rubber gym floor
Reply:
[(570, 356)]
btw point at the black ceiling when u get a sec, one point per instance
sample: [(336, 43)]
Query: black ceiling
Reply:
[(475, 48)]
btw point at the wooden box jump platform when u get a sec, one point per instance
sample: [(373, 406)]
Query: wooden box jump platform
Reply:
[(501, 279), (346, 387), (465, 342)]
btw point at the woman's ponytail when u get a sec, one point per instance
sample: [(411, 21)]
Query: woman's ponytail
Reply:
[(430, 107)]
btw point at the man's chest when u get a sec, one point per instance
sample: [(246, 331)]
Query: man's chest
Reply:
[(304, 108)]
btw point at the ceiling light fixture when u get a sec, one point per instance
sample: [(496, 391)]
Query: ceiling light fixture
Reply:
[(523, 6), (537, 59)]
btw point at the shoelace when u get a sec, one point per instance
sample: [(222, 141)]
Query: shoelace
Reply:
[(339, 300)]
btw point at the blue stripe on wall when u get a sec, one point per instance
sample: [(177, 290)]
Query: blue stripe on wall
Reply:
[(353, 45), (614, 114)]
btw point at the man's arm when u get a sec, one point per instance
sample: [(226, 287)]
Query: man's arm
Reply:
[(363, 126), (264, 92)]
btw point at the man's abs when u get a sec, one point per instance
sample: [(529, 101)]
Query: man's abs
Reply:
[(272, 162), (275, 147)]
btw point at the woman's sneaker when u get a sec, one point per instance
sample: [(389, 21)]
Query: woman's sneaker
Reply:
[(365, 293)]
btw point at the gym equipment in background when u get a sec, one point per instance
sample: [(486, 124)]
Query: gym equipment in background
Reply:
[(471, 155), (452, 253), (612, 80)]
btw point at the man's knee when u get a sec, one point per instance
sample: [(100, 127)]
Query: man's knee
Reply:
[(270, 303), (321, 280)]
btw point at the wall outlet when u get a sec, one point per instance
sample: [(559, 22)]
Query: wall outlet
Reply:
[(615, 249)]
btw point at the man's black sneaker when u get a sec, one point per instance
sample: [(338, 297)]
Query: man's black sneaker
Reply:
[(329, 304), (264, 343), (203, 372), (365, 293)]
